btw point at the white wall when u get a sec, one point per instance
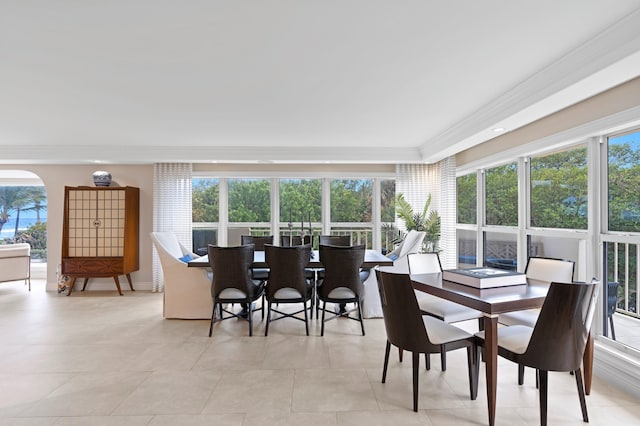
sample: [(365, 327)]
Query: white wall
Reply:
[(55, 178)]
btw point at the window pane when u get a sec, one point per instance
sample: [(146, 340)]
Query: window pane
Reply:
[(624, 181), (501, 250), (501, 193), (467, 205), (300, 198), (351, 200), (559, 190), (249, 200), (387, 200), (466, 248), (205, 199)]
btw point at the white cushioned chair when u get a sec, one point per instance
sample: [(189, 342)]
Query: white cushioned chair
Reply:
[(371, 306), (187, 291), (15, 263)]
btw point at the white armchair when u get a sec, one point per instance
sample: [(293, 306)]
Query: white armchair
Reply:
[(15, 263), (412, 243), (187, 291)]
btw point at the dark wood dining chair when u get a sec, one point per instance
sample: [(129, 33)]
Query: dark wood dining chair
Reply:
[(261, 274), (295, 240), (287, 282), (411, 331), (335, 240), (541, 269), (612, 304), (558, 339), (341, 282), (232, 282)]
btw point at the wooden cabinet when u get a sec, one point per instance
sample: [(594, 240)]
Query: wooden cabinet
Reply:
[(100, 235)]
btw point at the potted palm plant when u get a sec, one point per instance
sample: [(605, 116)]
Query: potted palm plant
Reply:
[(427, 220)]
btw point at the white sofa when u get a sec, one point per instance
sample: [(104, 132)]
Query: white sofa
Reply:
[(15, 263), (371, 306), (187, 291)]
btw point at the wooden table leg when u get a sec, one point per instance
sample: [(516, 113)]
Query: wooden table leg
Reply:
[(130, 282), (587, 364), (491, 363), (115, 278), (71, 284)]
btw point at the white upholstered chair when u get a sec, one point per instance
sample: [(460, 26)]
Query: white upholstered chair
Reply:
[(187, 291), (412, 243)]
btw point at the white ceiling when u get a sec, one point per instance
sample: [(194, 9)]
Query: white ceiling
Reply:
[(141, 81)]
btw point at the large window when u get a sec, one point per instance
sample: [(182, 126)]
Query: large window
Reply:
[(300, 199), (249, 200), (205, 200), (624, 182), (467, 198), (351, 200), (23, 217), (559, 190), (501, 194)]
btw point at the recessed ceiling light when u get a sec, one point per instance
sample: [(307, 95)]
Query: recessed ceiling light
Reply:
[(499, 129)]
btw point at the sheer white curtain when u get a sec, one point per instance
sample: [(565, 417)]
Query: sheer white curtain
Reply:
[(417, 181), (171, 207)]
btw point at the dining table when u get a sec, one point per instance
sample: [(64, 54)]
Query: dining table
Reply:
[(372, 258), (492, 302)]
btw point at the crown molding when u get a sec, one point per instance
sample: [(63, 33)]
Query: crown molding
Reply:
[(607, 60)]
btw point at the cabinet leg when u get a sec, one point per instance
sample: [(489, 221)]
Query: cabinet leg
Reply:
[(130, 282), (84, 285), (115, 278), (73, 281)]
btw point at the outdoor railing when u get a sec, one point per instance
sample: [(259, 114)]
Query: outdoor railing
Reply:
[(623, 267)]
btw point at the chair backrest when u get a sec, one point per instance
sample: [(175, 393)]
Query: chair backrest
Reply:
[(335, 240), (295, 240), (402, 317), (258, 242), (167, 245), (341, 269), (231, 268), (549, 270), (287, 268), (424, 263), (560, 334), (412, 243)]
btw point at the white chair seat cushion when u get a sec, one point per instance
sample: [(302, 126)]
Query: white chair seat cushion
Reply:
[(446, 310), (341, 293), (287, 293), (528, 317), (514, 338), (440, 332), (232, 293)]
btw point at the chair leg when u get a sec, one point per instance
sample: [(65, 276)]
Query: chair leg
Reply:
[(213, 315), (415, 365), (324, 310), (544, 382), (386, 361), (473, 377), (613, 330), (262, 310), (520, 374), (266, 328), (427, 362), (400, 354), (583, 402), (360, 317), (250, 318), (443, 357), (306, 318)]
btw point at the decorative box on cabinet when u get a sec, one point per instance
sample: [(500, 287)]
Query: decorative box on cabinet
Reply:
[(100, 235)]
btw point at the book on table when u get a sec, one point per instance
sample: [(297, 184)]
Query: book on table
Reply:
[(484, 277)]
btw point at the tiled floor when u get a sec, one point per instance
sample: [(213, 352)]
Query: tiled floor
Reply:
[(96, 358)]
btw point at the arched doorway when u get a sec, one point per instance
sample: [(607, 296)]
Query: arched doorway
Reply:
[(23, 216)]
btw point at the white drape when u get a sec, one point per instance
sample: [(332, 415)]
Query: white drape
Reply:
[(172, 190), (416, 182)]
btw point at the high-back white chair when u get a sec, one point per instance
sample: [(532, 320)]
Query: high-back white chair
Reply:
[(187, 291), (447, 311)]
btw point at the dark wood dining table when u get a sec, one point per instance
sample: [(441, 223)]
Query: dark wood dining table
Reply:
[(372, 258), (491, 302)]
